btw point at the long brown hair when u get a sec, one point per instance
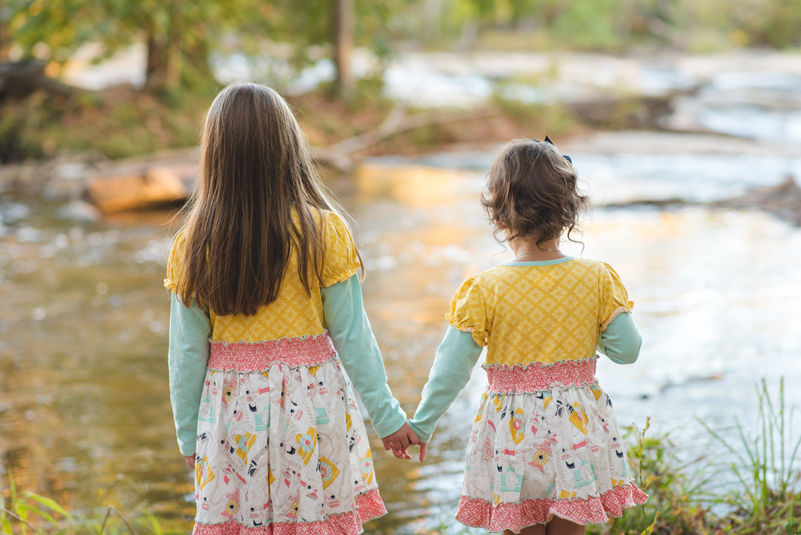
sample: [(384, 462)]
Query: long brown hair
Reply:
[(255, 164), (532, 190)]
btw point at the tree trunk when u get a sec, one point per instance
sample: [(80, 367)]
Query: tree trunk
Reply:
[(157, 60), (173, 74), (5, 39), (343, 45)]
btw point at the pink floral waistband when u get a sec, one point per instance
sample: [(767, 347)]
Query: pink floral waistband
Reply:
[(260, 356), (538, 376)]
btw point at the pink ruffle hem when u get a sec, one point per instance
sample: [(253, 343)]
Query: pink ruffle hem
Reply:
[(260, 356), (368, 506), (479, 513)]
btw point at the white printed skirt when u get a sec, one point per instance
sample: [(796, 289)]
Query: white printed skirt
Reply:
[(545, 443), (281, 448)]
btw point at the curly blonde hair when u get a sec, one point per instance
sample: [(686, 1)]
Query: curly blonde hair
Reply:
[(532, 190)]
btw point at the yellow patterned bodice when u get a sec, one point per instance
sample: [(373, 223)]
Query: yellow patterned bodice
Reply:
[(294, 313), (539, 313)]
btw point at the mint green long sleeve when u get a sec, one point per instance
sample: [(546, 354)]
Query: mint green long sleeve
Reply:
[(453, 364), (190, 330), (621, 341), (353, 338), (458, 353)]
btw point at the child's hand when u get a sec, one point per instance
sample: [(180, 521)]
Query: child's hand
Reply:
[(190, 460), (423, 450), (400, 440)]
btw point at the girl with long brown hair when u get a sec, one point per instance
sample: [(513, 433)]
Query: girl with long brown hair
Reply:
[(266, 318)]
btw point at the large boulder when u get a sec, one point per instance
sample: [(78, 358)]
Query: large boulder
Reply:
[(141, 185)]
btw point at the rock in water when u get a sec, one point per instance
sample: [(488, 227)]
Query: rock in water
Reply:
[(138, 187), (783, 199)]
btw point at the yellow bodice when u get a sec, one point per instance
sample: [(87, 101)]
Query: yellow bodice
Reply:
[(294, 313), (539, 313)]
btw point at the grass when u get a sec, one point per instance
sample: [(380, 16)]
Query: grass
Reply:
[(768, 500), (763, 480), (24, 513)]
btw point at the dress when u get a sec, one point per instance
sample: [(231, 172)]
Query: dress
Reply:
[(280, 446), (545, 441)]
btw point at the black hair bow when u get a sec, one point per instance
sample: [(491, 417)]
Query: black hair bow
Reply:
[(548, 140)]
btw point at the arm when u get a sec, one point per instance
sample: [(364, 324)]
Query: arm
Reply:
[(621, 341), (453, 363), (350, 330), (190, 330)]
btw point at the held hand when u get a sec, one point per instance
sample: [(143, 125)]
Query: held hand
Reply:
[(400, 440), (190, 460), (423, 451)]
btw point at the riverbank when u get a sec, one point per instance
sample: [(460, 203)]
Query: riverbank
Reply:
[(123, 122)]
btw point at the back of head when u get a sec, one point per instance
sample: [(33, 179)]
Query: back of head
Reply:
[(255, 165), (532, 191)]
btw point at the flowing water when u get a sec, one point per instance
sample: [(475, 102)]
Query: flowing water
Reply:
[(84, 406)]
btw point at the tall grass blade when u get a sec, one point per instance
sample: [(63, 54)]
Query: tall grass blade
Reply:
[(154, 522), (50, 504), (38, 512), (21, 519)]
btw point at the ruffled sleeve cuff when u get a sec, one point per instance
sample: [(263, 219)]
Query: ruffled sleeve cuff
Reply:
[(615, 313), (468, 311), (615, 298)]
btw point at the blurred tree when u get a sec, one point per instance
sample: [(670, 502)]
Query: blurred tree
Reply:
[(339, 25), (173, 30), (342, 37), (180, 35), (5, 37), (774, 23), (614, 24)]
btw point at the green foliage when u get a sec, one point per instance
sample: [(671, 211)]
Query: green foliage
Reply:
[(117, 123), (768, 499), (676, 491), (180, 35), (618, 24), (547, 118), (53, 30), (28, 512)]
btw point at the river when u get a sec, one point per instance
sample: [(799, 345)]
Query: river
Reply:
[(84, 405)]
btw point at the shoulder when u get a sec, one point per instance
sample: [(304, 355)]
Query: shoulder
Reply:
[(175, 262), (590, 266), (481, 284), (178, 243), (336, 231), (609, 282), (178, 249), (588, 263), (489, 276), (341, 259)]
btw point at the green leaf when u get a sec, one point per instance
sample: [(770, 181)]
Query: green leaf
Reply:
[(50, 504)]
